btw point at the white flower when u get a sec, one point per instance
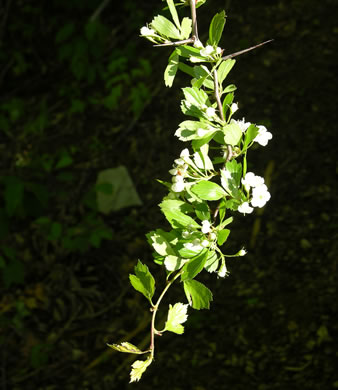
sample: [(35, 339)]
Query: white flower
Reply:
[(198, 44), (242, 252), (260, 195), (222, 272), (207, 51), (205, 243), (185, 153), (179, 184), (212, 236), (263, 136), (179, 161), (206, 227), (251, 180), (234, 107), (244, 208), (242, 124), (219, 50), (145, 31), (210, 111)]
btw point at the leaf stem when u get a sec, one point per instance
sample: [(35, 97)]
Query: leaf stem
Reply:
[(154, 309)]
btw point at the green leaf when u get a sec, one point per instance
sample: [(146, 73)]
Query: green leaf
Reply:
[(159, 241), (143, 281), (175, 211), (176, 316), (198, 295), (211, 264), (171, 69), (216, 28), (195, 96), (232, 134), (222, 236), (126, 348), (186, 28), (173, 263), (224, 69), (202, 159), (165, 27), (186, 68), (13, 194), (202, 211), (138, 368), (250, 135), (229, 88), (173, 12), (227, 102), (197, 143), (194, 266), (207, 190), (188, 130), (203, 77), (188, 51)]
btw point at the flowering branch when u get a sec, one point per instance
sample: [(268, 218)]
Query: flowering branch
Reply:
[(199, 175)]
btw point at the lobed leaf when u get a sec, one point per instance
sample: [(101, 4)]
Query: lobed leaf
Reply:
[(176, 316), (143, 281), (194, 266)]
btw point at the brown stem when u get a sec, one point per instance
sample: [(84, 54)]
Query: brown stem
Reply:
[(194, 19), (155, 308), (177, 43)]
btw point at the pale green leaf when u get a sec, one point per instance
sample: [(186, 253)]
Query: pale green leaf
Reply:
[(173, 12), (173, 263), (171, 70), (165, 27), (207, 190), (159, 241), (232, 134), (127, 348), (227, 102), (198, 295), (176, 316), (202, 159), (216, 28), (143, 281), (186, 28), (138, 368)]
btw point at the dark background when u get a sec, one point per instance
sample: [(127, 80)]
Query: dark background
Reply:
[(80, 97)]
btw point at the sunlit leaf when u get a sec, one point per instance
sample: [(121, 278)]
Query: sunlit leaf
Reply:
[(143, 281), (176, 316), (127, 348), (138, 368)]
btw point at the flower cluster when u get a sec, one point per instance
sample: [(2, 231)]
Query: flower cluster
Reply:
[(260, 193), (179, 172)]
